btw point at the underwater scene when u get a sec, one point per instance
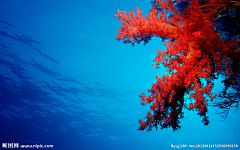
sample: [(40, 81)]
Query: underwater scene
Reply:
[(66, 83)]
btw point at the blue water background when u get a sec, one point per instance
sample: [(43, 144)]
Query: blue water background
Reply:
[(66, 81)]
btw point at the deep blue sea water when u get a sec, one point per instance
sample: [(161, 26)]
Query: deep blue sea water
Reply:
[(65, 81)]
